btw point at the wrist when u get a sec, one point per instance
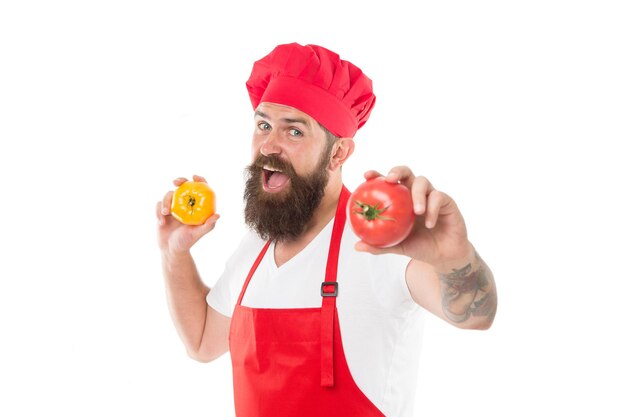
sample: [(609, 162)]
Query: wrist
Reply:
[(463, 257), (169, 256)]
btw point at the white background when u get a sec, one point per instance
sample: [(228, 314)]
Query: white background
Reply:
[(516, 109)]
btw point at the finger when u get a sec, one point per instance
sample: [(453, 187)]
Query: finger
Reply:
[(167, 203), (400, 174), (199, 178), (207, 226), (420, 189), (180, 180), (436, 200), (372, 174), (159, 215)]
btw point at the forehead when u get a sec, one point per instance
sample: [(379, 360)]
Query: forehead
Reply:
[(278, 112)]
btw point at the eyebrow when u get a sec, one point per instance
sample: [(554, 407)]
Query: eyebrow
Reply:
[(287, 120)]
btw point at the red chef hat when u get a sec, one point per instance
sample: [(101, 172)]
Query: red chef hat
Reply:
[(316, 81)]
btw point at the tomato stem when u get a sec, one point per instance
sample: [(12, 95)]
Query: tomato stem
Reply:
[(372, 212)]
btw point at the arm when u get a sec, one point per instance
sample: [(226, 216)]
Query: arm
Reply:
[(445, 275), (203, 331), (463, 295)]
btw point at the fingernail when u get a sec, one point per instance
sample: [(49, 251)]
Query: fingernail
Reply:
[(418, 208), (163, 211)]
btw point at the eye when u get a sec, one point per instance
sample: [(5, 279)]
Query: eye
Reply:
[(264, 126), (295, 132)]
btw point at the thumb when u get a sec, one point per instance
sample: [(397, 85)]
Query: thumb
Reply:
[(361, 246), (206, 227)]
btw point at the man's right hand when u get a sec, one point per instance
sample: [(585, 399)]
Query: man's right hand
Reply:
[(175, 237)]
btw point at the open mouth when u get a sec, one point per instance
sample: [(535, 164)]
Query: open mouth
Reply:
[(274, 180)]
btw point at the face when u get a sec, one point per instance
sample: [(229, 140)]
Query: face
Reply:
[(289, 134), (289, 173)]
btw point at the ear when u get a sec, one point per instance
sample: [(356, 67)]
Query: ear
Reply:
[(342, 150)]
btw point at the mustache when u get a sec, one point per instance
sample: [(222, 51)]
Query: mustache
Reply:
[(274, 162)]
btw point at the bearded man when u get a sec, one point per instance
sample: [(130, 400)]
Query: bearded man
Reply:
[(317, 322)]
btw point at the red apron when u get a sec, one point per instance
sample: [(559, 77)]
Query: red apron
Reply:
[(290, 362)]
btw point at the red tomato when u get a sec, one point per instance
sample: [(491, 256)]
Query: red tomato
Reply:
[(381, 213)]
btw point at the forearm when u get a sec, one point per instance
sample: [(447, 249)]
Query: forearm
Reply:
[(468, 293), (186, 296)]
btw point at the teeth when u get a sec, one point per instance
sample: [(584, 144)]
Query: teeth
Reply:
[(271, 169)]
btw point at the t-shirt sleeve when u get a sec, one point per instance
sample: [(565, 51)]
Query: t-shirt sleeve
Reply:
[(224, 294), (219, 297), (389, 270)]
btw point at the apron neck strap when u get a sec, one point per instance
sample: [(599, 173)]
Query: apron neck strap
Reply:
[(329, 292), (335, 239)]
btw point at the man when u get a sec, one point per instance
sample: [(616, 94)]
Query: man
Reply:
[(317, 322)]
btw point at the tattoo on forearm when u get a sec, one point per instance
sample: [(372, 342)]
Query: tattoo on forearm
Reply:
[(468, 292)]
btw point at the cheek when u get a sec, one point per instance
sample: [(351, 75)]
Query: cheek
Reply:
[(255, 148), (305, 163)]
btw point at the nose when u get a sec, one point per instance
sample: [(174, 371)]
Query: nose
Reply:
[(270, 144)]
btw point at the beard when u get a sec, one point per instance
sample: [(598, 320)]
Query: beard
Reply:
[(283, 216)]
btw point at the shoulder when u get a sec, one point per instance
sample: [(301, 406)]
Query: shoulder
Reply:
[(223, 296), (383, 276), (350, 239), (243, 257), (249, 246)]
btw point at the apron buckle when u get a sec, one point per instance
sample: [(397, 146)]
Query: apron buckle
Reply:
[(329, 289)]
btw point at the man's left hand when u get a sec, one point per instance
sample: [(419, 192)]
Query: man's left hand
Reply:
[(439, 236)]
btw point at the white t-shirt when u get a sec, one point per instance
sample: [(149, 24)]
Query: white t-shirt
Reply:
[(381, 325)]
